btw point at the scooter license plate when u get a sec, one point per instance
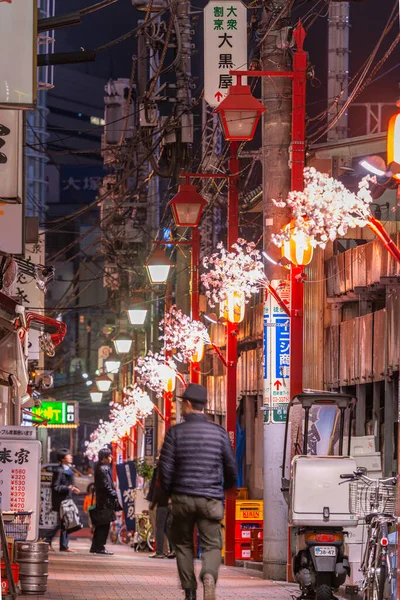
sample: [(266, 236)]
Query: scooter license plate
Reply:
[(325, 551)]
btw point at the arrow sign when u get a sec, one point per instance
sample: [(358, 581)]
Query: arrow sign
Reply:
[(277, 384), (218, 96)]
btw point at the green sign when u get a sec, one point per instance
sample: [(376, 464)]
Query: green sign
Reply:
[(276, 414), (55, 413)]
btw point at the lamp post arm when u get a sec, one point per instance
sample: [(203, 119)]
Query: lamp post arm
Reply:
[(219, 354), (376, 226), (278, 299)]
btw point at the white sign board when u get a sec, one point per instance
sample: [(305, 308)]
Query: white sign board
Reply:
[(18, 52), (20, 479), (276, 357), (225, 47), (32, 296), (14, 432), (11, 154)]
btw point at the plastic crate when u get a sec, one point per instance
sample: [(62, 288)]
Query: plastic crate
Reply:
[(249, 510), (4, 580), (242, 550), (245, 529)]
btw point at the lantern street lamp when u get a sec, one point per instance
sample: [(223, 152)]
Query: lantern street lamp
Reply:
[(187, 206), (103, 383), (112, 363), (95, 395), (158, 267), (138, 313), (239, 113), (298, 249), (122, 343)]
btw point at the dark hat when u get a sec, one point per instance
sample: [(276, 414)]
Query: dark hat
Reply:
[(195, 393)]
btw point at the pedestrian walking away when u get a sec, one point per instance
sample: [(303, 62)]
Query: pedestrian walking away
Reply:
[(196, 465), (160, 503), (103, 514), (62, 488)]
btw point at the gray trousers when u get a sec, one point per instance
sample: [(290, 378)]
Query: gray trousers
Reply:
[(207, 514)]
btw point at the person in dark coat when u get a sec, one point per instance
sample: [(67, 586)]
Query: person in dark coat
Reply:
[(106, 498), (160, 503), (62, 487), (196, 465)]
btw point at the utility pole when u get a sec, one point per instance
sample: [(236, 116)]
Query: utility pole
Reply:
[(276, 140), (338, 66)]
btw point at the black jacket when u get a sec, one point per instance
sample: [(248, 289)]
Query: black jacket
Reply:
[(197, 459), (60, 483), (106, 496)]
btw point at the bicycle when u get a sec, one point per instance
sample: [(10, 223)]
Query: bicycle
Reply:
[(118, 531), (144, 538), (375, 500)]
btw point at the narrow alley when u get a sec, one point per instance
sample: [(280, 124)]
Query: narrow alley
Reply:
[(129, 575)]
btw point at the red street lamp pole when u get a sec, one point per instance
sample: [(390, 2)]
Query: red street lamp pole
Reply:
[(231, 341), (194, 294), (231, 356)]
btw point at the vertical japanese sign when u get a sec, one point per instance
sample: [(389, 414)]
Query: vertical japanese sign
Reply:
[(20, 479), (47, 517), (149, 442), (225, 47), (18, 19), (32, 296), (276, 358), (126, 473)]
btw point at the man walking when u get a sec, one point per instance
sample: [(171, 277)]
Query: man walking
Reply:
[(196, 465), (62, 488)]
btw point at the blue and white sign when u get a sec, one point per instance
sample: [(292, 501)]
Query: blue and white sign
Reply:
[(276, 357), (149, 442)]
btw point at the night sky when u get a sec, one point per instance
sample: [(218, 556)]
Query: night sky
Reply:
[(367, 19)]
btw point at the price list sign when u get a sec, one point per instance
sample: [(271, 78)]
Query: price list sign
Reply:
[(20, 478)]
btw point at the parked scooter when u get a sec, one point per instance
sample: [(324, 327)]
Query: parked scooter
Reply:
[(319, 507)]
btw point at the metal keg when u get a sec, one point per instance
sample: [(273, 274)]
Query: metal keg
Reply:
[(34, 566)]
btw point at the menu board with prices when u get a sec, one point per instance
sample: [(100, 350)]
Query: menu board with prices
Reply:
[(20, 479)]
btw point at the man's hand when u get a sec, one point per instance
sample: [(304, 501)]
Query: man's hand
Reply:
[(74, 489)]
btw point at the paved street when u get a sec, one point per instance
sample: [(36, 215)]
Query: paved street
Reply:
[(133, 576)]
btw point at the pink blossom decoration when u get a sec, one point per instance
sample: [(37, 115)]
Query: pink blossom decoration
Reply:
[(182, 335), (239, 270), (326, 209)]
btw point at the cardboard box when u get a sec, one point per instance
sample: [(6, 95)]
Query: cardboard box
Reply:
[(361, 445)]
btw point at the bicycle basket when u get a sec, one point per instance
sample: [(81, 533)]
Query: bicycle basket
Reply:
[(17, 524), (369, 498)]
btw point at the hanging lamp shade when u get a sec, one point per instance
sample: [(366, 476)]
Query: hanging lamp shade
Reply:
[(168, 376), (103, 383), (158, 267), (138, 312), (187, 206), (95, 395), (239, 113), (112, 363), (122, 343)]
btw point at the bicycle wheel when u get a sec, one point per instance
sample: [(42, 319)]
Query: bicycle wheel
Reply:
[(113, 534), (124, 535), (150, 539)]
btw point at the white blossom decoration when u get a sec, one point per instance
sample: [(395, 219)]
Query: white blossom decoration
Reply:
[(239, 270), (152, 371), (100, 438), (326, 209), (182, 335), (141, 400)]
